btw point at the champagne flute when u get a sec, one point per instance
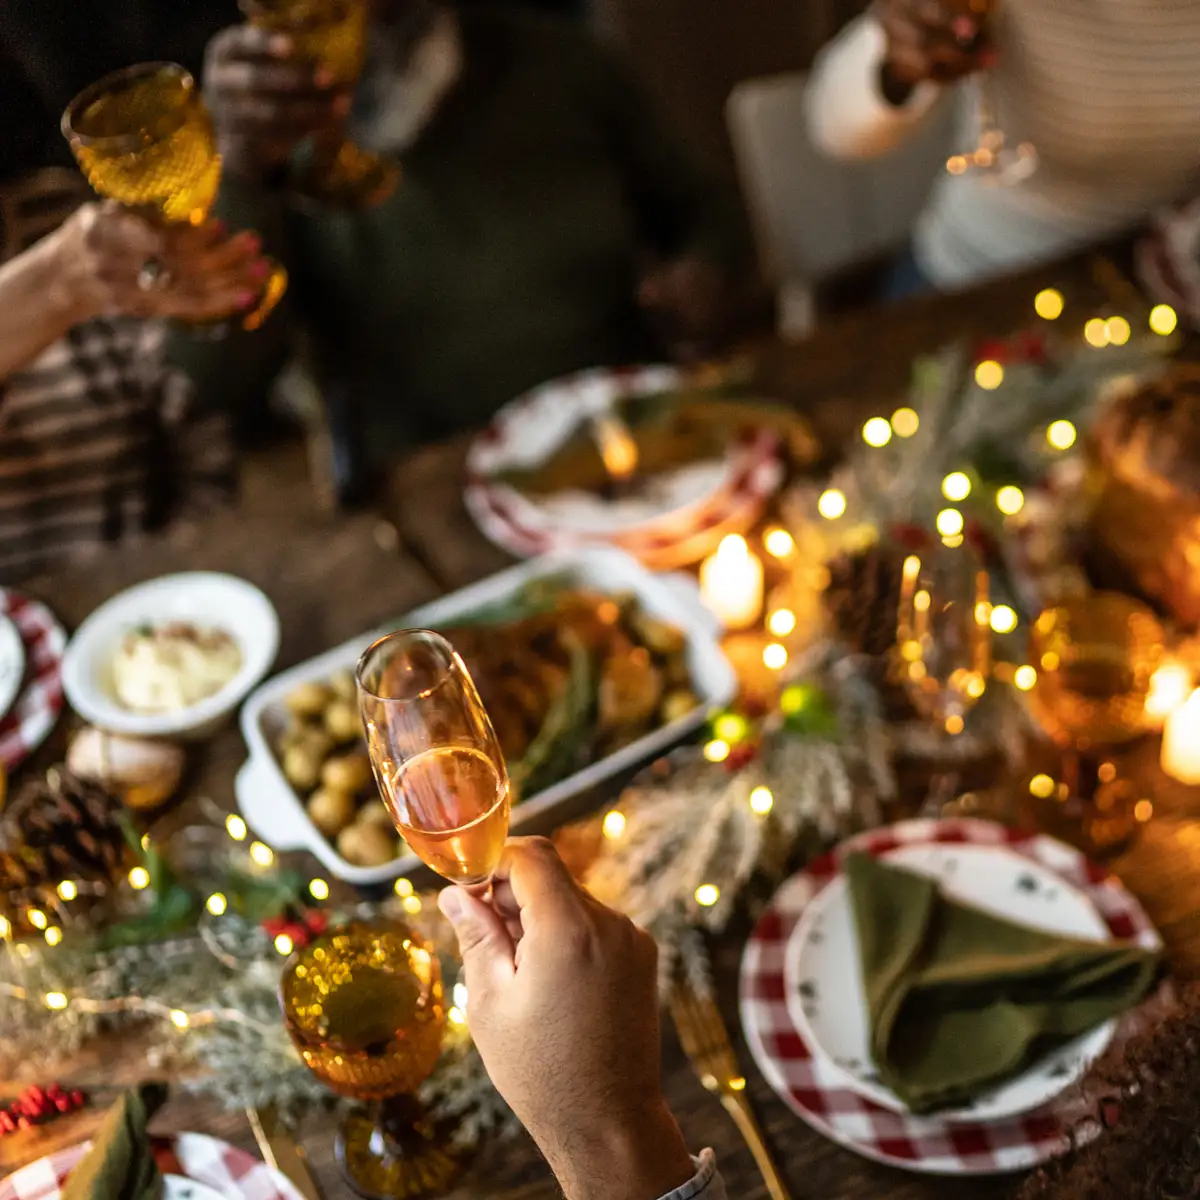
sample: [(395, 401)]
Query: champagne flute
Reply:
[(436, 758), (365, 1009), (332, 33), (143, 137), (992, 156), (944, 643)]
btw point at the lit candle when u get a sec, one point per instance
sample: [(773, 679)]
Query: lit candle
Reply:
[(1181, 742), (1170, 687), (731, 583)]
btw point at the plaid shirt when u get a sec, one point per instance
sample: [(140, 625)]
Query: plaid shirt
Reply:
[(99, 437)]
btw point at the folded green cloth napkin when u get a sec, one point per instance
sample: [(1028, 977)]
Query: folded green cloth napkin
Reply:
[(960, 1000), (120, 1164)]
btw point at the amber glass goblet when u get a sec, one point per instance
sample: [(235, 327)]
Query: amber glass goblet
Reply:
[(364, 1007), (144, 138), (435, 755), (1095, 656), (332, 34)]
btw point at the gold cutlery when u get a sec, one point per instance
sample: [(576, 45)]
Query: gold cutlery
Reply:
[(281, 1151), (706, 1043)]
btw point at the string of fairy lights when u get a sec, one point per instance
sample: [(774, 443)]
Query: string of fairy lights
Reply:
[(728, 730)]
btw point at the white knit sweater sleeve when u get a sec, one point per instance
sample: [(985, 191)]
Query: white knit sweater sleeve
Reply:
[(848, 115)]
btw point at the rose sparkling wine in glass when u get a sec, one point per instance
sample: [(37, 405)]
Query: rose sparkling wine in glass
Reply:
[(436, 758)]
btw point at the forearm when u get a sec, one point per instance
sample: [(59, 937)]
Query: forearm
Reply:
[(39, 303), (643, 1159), (853, 112)]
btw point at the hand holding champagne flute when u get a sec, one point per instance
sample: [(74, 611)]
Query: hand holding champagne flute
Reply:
[(436, 758)]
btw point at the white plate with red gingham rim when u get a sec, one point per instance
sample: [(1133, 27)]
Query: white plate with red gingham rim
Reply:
[(816, 1090), (525, 431), (208, 1163), (39, 702), (827, 1000)]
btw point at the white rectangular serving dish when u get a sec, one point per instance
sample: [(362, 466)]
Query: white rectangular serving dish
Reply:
[(276, 813)]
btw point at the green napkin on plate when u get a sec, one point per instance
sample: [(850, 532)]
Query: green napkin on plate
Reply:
[(120, 1164), (960, 1000)]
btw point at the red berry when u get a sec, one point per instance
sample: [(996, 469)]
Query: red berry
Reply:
[(62, 1103), (275, 925), (316, 921), (78, 1099)]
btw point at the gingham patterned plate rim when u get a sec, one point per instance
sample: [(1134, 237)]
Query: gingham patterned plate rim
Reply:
[(39, 704), (816, 1092), (234, 1173)]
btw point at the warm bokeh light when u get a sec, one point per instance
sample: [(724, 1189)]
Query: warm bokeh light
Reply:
[(284, 944), (1062, 435), (775, 656), (411, 905), (1049, 304), (67, 890), (1095, 333), (781, 622), (614, 824), (1143, 810), (403, 887), (912, 567), (1042, 786), (989, 374), (905, 422), (976, 686), (318, 889), (730, 727), (1163, 320), (761, 801), (217, 904), (262, 854), (55, 1000), (707, 894), (956, 487), (1003, 619), (1119, 331), (957, 164), (877, 432), (1170, 686), (1010, 500), (5, 928), (1025, 678), (456, 1016), (716, 751), (54, 935), (36, 918), (950, 522), (179, 1018), (954, 725), (139, 878), (983, 613), (832, 504), (236, 827), (779, 543)]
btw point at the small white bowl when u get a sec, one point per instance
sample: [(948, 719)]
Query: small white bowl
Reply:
[(205, 598)]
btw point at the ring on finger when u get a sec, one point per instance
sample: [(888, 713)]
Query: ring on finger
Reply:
[(153, 275)]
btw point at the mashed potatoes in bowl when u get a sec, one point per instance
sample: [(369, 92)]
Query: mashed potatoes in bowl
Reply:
[(167, 668)]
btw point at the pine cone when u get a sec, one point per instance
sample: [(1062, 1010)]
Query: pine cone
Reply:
[(863, 598), (57, 829)]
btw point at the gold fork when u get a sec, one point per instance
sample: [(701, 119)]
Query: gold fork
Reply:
[(706, 1043)]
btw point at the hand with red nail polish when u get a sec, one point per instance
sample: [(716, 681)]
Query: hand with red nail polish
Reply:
[(938, 40), (201, 273), (265, 101)]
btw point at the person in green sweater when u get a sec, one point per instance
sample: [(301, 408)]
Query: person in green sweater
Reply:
[(543, 221)]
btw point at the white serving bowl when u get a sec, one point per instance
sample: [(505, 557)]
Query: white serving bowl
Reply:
[(205, 598)]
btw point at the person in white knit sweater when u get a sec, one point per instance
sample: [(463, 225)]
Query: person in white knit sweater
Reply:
[(1108, 91)]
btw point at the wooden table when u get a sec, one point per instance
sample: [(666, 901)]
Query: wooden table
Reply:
[(332, 576)]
